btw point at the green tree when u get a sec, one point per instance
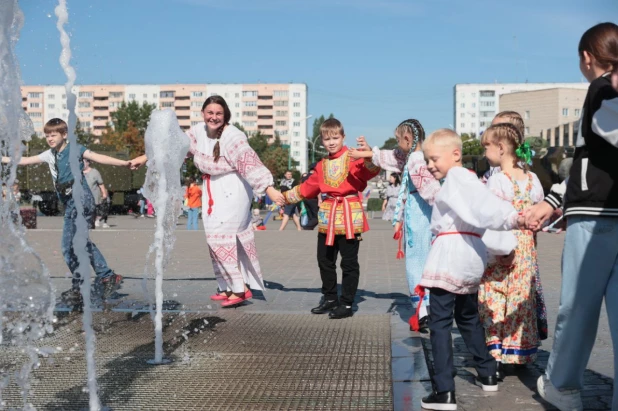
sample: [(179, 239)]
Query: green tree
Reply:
[(471, 145), (259, 143), (390, 144), (84, 137), (315, 144), (36, 143), (132, 112), (131, 139)]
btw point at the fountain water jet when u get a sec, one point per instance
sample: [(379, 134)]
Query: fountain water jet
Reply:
[(26, 294), (166, 149), (80, 240)]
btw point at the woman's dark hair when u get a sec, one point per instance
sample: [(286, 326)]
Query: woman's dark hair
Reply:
[(227, 116), (601, 41), (397, 179)]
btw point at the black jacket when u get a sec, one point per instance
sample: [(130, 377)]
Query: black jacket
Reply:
[(592, 187)]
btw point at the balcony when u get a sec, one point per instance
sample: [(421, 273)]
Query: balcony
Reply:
[(183, 108), (265, 97), (103, 108), (183, 117), (265, 127), (265, 107), (101, 98), (265, 117), (101, 118), (182, 98)]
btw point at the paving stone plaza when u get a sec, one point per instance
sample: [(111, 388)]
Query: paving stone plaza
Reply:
[(271, 353)]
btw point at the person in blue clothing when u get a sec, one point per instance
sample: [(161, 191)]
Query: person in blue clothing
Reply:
[(57, 157)]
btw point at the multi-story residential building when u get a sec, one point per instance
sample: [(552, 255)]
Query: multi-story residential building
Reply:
[(475, 105), (561, 135), (269, 108), (543, 109)]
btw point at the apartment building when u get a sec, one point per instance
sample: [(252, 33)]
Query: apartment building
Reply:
[(475, 105), (543, 109), (269, 108)]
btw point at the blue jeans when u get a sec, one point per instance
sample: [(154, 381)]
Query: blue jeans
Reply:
[(68, 233), (142, 207), (589, 274), (192, 218)]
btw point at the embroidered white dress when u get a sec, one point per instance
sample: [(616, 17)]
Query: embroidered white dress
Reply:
[(464, 209), (228, 189)]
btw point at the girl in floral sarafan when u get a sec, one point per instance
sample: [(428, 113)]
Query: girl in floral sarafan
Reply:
[(507, 295)]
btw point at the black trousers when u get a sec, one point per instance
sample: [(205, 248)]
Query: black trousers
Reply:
[(465, 307), (327, 258)]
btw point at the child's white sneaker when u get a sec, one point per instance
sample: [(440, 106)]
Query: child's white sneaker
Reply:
[(564, 400)]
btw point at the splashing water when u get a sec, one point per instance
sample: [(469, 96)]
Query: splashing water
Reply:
[(166, 149), (80, 240), (26, 294)]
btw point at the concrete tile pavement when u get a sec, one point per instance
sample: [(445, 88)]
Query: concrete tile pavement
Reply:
[(293, 286)]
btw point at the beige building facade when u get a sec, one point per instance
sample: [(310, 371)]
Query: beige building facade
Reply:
[(269, 108), (563, 135), (544, 109)]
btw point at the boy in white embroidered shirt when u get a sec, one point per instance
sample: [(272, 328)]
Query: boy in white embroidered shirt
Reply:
[(464, 215)]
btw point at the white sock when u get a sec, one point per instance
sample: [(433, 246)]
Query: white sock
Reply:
[(423, 311)]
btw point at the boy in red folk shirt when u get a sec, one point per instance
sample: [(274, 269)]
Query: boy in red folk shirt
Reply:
[(341, 218)]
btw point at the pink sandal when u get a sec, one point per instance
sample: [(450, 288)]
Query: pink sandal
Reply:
[(218, 297), (235, 301)]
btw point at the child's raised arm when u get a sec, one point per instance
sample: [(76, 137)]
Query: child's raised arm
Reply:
[(103, 159), (24, 161), (137, 162)]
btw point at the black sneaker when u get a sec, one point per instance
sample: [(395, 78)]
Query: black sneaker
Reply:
[(325, 306), (489, 383), (423, 325), (440, 401), (342, 311), (110, 284), (72, 297)]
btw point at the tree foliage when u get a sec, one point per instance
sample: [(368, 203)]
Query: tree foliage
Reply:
[(390, 144), (320, 153), (84, 137), (471, 145), (128, 127)]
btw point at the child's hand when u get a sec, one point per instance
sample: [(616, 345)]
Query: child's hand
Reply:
[(355, 154), (397, 227), (506, 260), (362, 144), (536, 215), (137, 162)]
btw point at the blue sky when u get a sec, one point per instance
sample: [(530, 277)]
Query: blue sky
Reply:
[(371, 63)]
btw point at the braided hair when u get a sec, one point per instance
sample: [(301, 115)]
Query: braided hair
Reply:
[(227, 116), (508, 134)]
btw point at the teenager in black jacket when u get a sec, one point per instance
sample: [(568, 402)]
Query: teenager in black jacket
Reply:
[(590, 255)]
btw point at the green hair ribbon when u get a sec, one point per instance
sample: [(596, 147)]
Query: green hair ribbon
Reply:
[(525, 153)]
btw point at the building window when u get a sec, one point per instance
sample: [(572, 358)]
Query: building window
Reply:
[(116, 94), (281, 123), (281, 103), (212, 94), (196, 113), (280, 93), (195, 123), (197, 104), (51, 106), (249, 93), (35, 114), (236, 95), (488, 93), (462, 105), (297, 104), (296, 134), (86, 124), (473, 105), (85, 94), (144, 95), (237, 114), (296, 143), (166, 94), (51, 96), (84, 104), (197, 94), (565, 112), (283, 132), (463, 125), (249, 123), (296, 114), (487, 113), (34, 95), (473, 95), (37, 124), (296, 153), (131, 96), (250, 103), (281, 113), (473, 126), (488, 103), (64, 106), (297, 124), (154, 95), (249, 113), (462, 115), (527, 131), (473, 115), (526, 115), (296, 94), (86, 114), (167, 104), (577, 112)]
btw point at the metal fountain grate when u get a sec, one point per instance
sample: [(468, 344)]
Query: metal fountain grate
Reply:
[(223, 361)]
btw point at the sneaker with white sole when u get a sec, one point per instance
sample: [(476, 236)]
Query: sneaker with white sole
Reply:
[(564, 400), (97, 223), (105, 225)]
